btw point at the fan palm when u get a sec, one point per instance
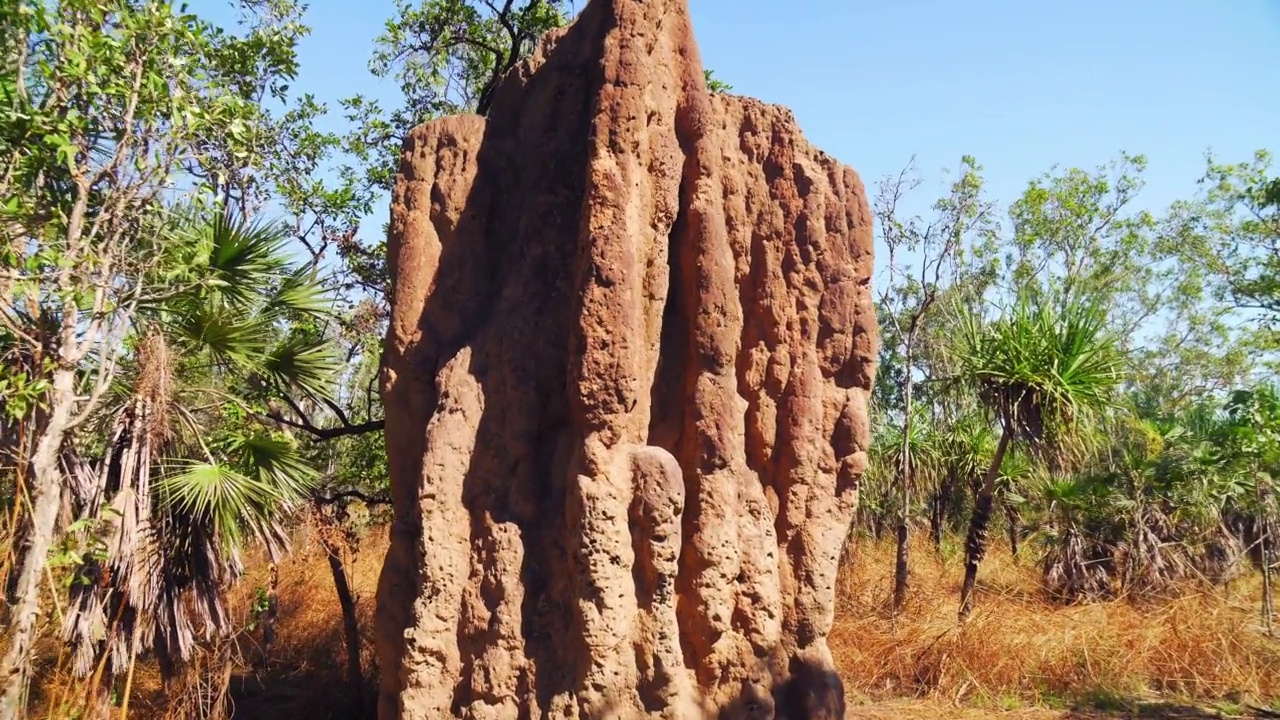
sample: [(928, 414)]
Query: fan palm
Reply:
[(1078, 555), (187, 475), (1016, 473), (1041, 369)]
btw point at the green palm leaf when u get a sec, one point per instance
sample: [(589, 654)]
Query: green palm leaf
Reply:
[(299, 293), (306, 364), (277, 463), (229, 337), (224, 498), (247, 260), (1042, 366)]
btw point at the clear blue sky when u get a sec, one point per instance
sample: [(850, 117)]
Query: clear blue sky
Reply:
[(1021, 85)]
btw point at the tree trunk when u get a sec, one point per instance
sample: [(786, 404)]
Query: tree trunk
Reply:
[(1267, 602), (1011, 521), (904, 497), (350, 625), (900, 566), (975, 546), (941, 501), (1264, 549), (271, 613), (47, 499)]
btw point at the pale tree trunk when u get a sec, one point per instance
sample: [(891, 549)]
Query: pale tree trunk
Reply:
[(975, 546), (47, 499)]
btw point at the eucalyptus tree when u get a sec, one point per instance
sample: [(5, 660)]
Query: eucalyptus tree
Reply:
[(924, 261), (1233, 228), (1080, 233)]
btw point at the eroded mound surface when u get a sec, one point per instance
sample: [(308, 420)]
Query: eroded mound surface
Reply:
[(627, 372)]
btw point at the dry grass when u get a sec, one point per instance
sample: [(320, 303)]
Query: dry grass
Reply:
[(1019, 648), (1016, 652), (304, 673)]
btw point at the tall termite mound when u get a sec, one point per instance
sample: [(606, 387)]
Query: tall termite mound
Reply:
[(626, 384)]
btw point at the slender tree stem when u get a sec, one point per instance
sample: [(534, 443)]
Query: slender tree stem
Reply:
[(350, 624), (1264, 547), (128, 681), (900, 571)]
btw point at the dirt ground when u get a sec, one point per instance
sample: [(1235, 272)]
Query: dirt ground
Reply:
[(1153, 710)]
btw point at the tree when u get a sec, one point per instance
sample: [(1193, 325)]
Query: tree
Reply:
[(1077, 233), (447, 56), (966, 444), (1042, 369), (1251, 442), (1227, 243), (103, 104), (925, 260), (189, 467), (1235, 228)]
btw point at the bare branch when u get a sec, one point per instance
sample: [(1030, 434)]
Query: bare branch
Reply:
[(324, 434), (351, 494)]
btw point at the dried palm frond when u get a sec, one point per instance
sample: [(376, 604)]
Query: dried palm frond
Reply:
[(163, 530), (1155, 558), (1076, 569)]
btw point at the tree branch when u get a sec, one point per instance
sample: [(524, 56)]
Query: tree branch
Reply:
[(348, 495), (326, 434)]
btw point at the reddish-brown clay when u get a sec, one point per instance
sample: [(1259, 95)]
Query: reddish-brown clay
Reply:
[(626, 379)]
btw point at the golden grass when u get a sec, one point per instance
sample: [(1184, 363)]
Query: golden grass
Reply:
[(1017, 650), (1205, 644)]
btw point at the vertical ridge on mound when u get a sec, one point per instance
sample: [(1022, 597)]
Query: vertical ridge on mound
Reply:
[(626, 378)]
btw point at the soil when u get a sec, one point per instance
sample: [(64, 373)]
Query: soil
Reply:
[(1152, 709)]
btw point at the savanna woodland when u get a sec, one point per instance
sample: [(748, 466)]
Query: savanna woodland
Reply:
[(1071, 495)]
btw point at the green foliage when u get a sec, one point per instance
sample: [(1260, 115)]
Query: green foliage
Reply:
[(258, 610), (19, 393), (714, 84), (1097, 333), (1234, 227), (447, 56), (196, 470), (1043, 366)]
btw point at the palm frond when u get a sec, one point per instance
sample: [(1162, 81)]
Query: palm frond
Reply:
[(1042, 367), (247, 259), (277, 463), (307, 364), (299, 292), (229, 338), (226, 499)]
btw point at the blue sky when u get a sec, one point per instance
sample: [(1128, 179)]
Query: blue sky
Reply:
[(1019, 85)]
